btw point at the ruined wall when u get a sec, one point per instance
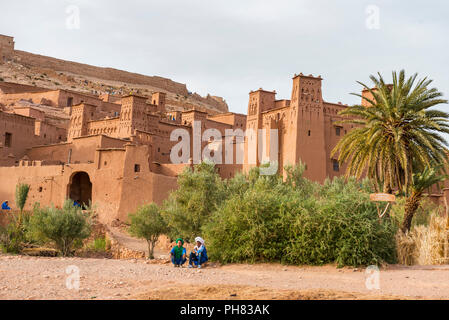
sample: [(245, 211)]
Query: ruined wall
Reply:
[(48, 98), (9, 87), (6, 48), (30, 59)]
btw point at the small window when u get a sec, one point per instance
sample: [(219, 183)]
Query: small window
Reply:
[(308, 133), (337, 131), (158, 149), (69, 102), (8, 139), (40, 189), (336, 165), (137, 168)]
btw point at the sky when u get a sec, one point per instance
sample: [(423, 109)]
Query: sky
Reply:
[(228, 48)]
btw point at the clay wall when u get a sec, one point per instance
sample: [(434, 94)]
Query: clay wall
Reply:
[(98, 72)]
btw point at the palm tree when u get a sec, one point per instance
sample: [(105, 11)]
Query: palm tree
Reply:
[(420, 182), (398, 133)]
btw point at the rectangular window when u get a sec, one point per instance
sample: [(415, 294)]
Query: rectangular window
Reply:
[(335, 165), (69, 102), (8, 139), (308, 133), (337, 131), (137, 168)]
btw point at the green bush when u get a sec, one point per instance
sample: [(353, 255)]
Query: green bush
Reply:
[(99, 244), (253, 224), (199, 193), (65, 228), (11, 238), (14, 235), (344, 228), (299, 222), (147, 223)]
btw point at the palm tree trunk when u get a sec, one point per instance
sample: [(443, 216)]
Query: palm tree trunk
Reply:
[(411, 205)]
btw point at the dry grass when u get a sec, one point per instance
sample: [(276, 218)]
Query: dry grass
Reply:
[(425, 245)]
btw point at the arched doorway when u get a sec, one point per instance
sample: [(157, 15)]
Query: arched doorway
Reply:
[(80, 188)]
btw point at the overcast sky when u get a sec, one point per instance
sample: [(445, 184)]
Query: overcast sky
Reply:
[(230, 47)]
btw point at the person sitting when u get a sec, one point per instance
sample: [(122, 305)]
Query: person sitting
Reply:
[(5, 205), (199, 254), (178, 253), (77, 203)]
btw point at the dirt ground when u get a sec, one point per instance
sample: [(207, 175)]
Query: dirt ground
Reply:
[(23, 277)]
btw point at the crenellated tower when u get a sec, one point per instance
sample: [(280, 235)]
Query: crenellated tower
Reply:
[(260, 101), (133, 115), (79, 118), (305, 139)]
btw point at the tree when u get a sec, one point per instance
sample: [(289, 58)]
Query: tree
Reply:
[(22, 190), (147, 223), (421, 182), (199, 193), (21, 195), (397, 135), (65, 227)]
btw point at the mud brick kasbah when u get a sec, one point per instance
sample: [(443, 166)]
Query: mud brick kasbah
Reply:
[(115, 150)]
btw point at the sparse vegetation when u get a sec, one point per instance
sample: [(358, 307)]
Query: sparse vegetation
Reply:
[(147, 223), (190, 206), (254, 218), (65, 228), (99, 244)]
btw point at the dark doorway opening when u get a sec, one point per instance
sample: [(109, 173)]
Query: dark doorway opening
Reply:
[(80, 188)]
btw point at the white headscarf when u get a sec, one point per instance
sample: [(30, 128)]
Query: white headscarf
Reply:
[(199, 239)]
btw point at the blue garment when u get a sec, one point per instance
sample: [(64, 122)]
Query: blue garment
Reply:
[(77, 204), (198, 258), (5, 206), (179, 261)]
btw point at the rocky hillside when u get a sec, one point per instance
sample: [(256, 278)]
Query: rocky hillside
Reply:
[(46, 72)]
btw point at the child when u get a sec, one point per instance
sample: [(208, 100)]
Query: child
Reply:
[(178, 253), (199, 254)]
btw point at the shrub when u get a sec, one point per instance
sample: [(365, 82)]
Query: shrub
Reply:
[(65, 228), (99, 244), (147, 223), (344, 229), (300, 222), (11, 238), (199, 193)]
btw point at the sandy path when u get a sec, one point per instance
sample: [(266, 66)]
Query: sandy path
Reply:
[(45, 278)]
